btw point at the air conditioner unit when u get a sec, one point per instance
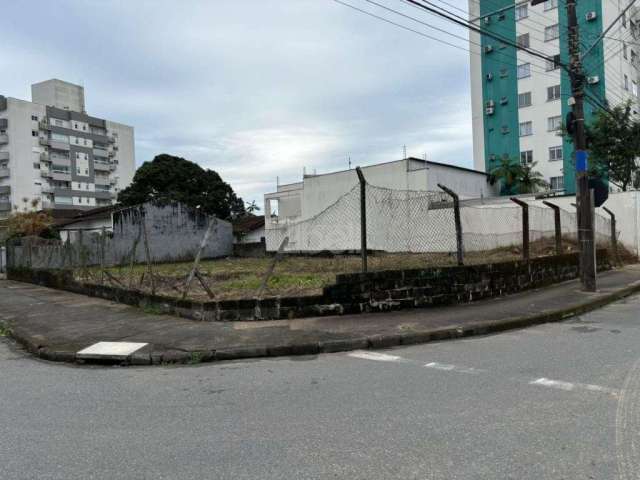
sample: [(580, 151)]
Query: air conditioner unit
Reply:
[(488, 49), (591, 16), (490, 103), (593, 80), (489, 110), (504, 101), (489, 76), (487, 20)]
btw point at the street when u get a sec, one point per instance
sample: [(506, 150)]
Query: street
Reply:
[(557, 401)]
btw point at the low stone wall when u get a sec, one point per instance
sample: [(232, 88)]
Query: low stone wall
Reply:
[(352, 293), (250, 250)]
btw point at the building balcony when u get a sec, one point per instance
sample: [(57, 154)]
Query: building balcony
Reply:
[(48, 189), (45, 172), (4, 139), (4, 172), (44, 124), (58, 145), (101, 166), (5, 206), (106, 195), (4, 156), (47, 205), (5, 189), (99, 152), (43, 140), (61, 176)]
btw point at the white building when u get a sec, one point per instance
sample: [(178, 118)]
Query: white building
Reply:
[(519, 101), (53, 152), (315, 193)]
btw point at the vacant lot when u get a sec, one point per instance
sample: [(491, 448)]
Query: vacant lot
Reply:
[(234, 278)]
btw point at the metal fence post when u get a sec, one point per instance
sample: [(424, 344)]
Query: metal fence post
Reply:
[(525, 227), (363, 219), (614, 236), (458, 222), (558, 226)]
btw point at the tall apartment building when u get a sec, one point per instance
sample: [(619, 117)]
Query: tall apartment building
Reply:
[(51, 150), (519, 101)]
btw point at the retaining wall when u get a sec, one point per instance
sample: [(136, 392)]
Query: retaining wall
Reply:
[(352, 293)]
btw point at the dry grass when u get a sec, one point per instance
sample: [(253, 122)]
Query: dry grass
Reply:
[(235, 278)]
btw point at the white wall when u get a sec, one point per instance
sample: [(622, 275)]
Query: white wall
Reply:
[(125, 155), (24, 150)]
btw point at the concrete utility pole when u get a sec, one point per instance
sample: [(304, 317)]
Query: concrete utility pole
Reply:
[(583, 197)]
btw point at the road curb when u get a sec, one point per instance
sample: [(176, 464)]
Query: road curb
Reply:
[(377, 341)]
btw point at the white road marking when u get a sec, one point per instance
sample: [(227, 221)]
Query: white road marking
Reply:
[(453, 368), (568, 386), (379, 357)]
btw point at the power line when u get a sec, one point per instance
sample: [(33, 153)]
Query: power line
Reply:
[(472, 27), (404, 27)]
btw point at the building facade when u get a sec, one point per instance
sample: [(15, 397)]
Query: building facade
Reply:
[(53, 152), (520, 101), (315, 193)]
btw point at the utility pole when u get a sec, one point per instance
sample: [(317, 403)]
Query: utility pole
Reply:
[(583, 196)]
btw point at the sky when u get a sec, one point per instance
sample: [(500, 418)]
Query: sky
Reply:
[(257, 90)]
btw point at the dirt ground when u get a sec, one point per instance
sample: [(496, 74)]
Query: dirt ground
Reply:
[(293, 275)]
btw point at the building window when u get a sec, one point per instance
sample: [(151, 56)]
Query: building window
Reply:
[(555, 153), (36, 166), (524, 99), (554, 123), (526, 129), (551, 33), (57, 123), (624, 51), (524, 70), (34, 118), (550, 5), (634, 87), (552, 63), (624, 19), (626, 83), (504, 73), (526, 157), (523, 40), (34, 133), (521, 11), (557, 183), (553, 93)]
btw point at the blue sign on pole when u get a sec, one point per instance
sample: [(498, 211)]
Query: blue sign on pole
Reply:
[(582, 160)]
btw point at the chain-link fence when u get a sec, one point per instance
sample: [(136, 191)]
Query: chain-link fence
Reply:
[(425, 223)]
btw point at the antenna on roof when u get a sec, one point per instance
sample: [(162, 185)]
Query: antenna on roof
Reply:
[(349, 162), (425, 156), (404, 151)]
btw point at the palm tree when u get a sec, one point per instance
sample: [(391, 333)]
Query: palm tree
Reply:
[(252, 207), (530, 180), (508, 172)]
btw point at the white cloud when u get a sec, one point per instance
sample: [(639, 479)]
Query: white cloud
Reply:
[(255, 90)]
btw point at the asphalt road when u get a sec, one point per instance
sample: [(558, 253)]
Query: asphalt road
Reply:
[(558, 401)]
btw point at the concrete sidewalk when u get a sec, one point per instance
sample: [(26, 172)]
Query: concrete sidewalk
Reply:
[(55, 325)]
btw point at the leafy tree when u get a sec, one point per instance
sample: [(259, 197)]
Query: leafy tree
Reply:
[(530, 180), (28, 222), (614, 143), (507, 172), (517, 178), (252, 207), (167, 178)]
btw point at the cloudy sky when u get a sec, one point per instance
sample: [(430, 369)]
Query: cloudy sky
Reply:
[(254, 89)]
